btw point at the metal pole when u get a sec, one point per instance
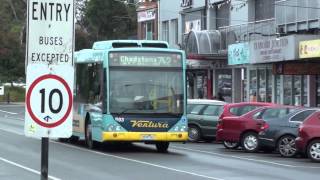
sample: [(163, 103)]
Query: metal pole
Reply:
[(44, 158)]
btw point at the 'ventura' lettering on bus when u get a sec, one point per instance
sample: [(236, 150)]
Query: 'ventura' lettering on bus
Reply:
[(148, 124)]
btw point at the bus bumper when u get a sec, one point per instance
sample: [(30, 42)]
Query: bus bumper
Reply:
[(145, 136)]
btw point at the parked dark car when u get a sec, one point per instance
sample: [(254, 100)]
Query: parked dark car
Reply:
[(244, 129), (308, 140), (238, 109), (280, 133), (203, 117)]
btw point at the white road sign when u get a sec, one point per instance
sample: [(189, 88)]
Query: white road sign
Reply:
[(50, 32), (50, 73), (1, 90), (49, 101)]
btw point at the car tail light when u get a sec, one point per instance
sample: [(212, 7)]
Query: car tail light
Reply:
[(264, 126)]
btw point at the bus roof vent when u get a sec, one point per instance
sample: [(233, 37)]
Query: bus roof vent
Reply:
[(155, 45), (124, 44)]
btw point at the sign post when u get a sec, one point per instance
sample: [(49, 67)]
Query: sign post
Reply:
[(49, 69)]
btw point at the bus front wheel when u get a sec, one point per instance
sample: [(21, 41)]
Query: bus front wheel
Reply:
[(162, 146), (88, 136)]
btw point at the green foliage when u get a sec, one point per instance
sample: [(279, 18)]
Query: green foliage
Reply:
[(110, 19), (96, 20), (17, 94), (12, 51)]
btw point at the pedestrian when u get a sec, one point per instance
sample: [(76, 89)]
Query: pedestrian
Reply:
[(220, 97)]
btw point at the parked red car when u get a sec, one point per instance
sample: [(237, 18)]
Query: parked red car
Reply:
[(244, 129), (308, 140), (238, 109)]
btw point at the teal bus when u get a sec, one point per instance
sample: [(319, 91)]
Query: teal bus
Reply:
[(130, 91)]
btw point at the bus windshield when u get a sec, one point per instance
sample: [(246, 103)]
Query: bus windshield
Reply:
[(146, 90)]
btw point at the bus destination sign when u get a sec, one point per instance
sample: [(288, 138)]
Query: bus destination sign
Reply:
[(138, 59)]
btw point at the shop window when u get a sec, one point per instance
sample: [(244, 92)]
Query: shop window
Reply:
[(224, 84), (261, 12), (244, 84), (305, 87), (165, 31), (223, 14), (297, 90), (149, 30), (174, 25), (262, 86), (253, 85), (269, 86), (287, 90), (278, 89), (318, 91)]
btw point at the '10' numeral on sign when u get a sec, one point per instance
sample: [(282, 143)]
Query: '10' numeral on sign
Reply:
[(52, 92)]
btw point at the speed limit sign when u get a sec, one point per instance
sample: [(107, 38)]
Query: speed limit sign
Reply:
[(49, 101)]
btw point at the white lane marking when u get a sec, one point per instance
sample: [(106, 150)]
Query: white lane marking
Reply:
[(15, 118), (140, 162), (181, 148), (244, 158), (12, 131), (26, 168), (127, 159), (12, 113)]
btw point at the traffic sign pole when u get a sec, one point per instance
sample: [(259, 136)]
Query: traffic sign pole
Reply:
[(44, 158), (50, 71)]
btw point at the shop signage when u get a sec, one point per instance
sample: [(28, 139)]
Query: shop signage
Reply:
[(186, 3), (309, 49), (273, 50), (146, 15), (285, 48), (296, 68), (238, 54), (194, 25)]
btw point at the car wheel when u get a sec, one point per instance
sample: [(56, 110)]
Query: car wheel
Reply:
[(230, 145), (194, 133), (313, 150), (250, 142), (287, 146), (88, 136), (162, 146)]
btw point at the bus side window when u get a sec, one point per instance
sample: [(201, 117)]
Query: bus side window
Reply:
[(94, 83), (82, 83), (104, 90)]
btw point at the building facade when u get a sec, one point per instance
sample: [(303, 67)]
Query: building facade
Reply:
[(147, 16), (254, 50)]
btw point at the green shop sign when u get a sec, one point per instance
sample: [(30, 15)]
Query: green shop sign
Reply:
[(238, 54)]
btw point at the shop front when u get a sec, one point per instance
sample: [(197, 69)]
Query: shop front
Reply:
[(269, 77), (238, 59), (147, 22)]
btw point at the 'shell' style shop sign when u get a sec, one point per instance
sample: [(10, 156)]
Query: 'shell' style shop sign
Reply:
[(49, 60)]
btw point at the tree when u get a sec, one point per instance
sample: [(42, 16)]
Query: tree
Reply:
[(110, 19), (12, 51)]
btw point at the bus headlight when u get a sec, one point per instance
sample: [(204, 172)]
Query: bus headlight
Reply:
[(183, 128), (111, 127), (114, 128)]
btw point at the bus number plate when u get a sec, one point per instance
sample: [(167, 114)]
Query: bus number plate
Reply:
[(147, 137)]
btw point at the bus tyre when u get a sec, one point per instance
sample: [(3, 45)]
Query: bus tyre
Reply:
[(74, 139), (88, 136), (63, 140), (162, 146)]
